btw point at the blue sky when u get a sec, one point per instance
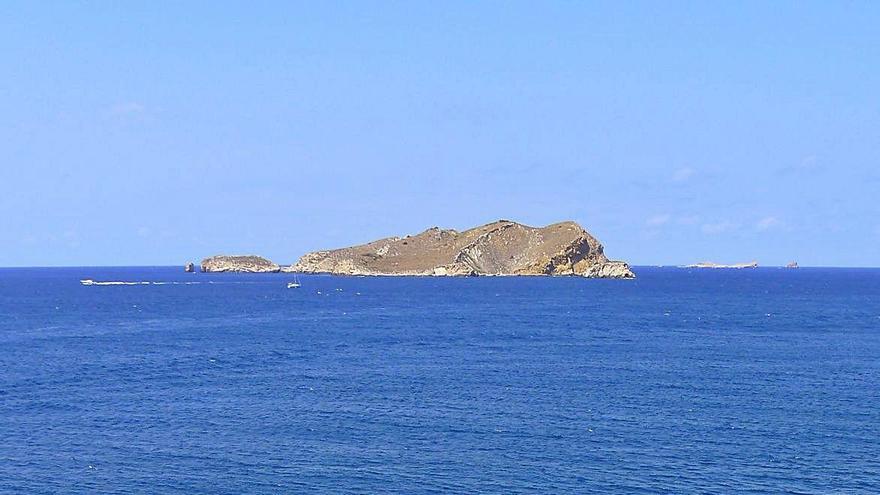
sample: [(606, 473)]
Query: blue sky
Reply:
[(675, 132)]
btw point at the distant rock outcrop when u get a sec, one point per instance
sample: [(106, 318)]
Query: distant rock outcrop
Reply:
[(709, 264), (249, 264), (498, 248), (189, 267)]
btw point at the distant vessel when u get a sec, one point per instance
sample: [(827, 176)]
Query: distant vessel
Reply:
[(709, 264), (295, 284), (793, 264), (88, 281)]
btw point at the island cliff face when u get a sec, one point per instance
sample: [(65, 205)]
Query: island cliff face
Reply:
[(498, 248), (248, 264)]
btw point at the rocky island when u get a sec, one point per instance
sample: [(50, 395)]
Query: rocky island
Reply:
[(709, 264), (498, 248), (247, 264)]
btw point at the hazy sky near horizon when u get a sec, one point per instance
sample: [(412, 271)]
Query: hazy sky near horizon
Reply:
[(163, 132)]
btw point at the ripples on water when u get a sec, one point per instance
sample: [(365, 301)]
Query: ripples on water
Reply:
[(680, 381)]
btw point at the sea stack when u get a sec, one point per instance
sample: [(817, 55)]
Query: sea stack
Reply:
[(189, 267), (495, 249), (246, 264)]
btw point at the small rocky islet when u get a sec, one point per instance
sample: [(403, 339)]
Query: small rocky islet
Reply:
[(245, 264), (735, 266), (501, 248)]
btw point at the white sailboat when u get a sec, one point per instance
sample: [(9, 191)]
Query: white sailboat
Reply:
[(295, 284)]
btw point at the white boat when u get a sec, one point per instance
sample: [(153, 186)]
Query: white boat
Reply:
[(295, 284), (88, 281)]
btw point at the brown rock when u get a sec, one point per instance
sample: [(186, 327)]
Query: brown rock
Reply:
[(498, 248)]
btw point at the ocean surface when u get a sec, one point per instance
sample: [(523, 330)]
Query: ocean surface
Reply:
[(681, 381)]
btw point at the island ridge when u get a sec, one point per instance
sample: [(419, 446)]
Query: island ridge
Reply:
[(498, 248)]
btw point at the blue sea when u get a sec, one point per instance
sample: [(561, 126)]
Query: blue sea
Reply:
[(681, 381)]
